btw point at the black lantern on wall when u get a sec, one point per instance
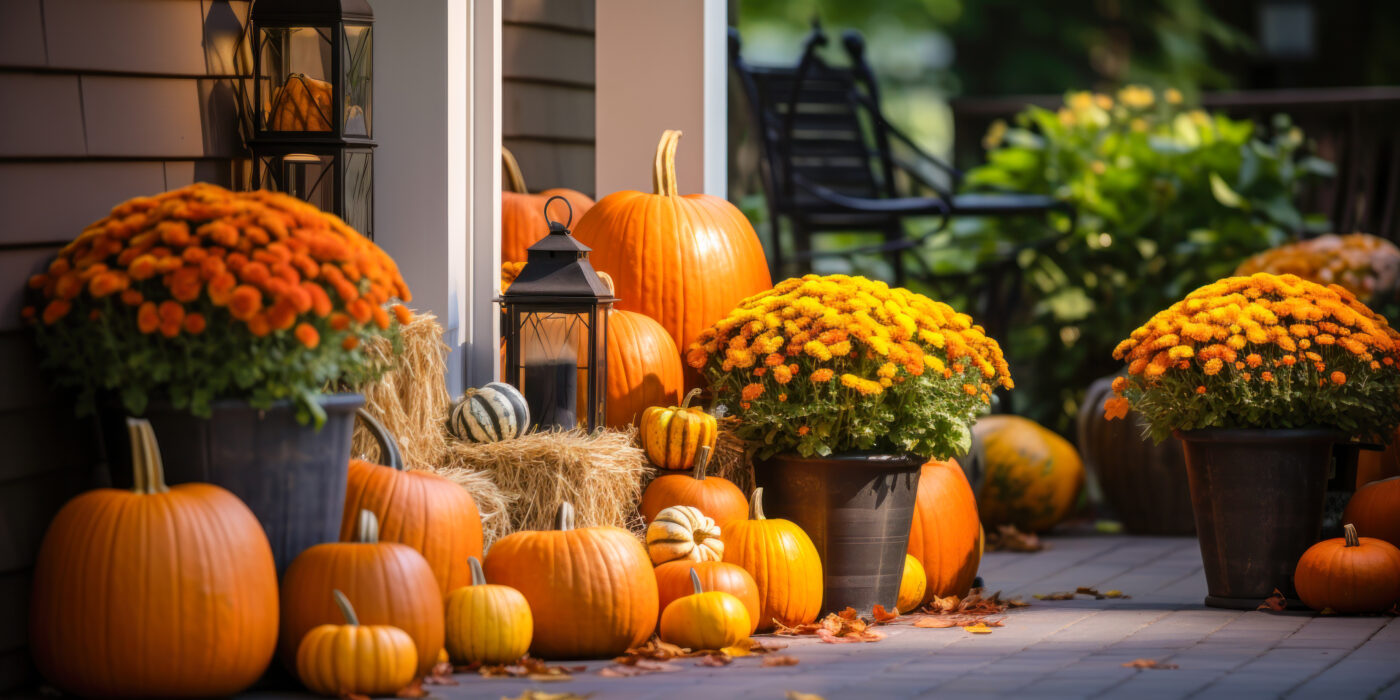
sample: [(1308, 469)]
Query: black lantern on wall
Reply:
[(313, 97), (556, 332)]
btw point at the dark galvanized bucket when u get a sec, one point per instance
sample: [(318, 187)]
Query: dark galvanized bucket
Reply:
[(857, 509), (1257, 496), (290, 475)]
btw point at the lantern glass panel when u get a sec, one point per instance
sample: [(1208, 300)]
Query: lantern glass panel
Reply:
[(296, 78), (359, 191), (553, 372), (358, 60), (302, 175)]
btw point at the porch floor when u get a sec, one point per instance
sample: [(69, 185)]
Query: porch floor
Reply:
[(1069, 649)]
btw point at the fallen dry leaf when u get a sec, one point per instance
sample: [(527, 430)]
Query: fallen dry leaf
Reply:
[(533, 694), (752, 646), (935, 622), (1008, 539), (844, 627), (829, 637), (641, 667), (527, 667), (1150, 663), (882, 615), (779, 660), (794, 695), (654, 649), (979, 628), (412, 690), (1082, 590), (441, 673), (715, 660), (1276, 602)]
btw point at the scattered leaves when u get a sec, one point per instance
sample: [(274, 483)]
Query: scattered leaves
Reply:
[(1008, 539), (541, 695), (526, 667), (640, 667), (845, 627), (882, 615), (656, 650), (978, 628), (974, 604), (441, 673), (779, 660), (1082, 590), (794, 695), (1276, 602), (1150, 663), (946, 621)]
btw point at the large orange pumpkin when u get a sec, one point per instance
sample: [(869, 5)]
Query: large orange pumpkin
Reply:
[(591, 591), (673, 582), (1032, 476), (783, 563), (390, 583), (1349, 574), (715, 496), (1375, 510), (153, 592), (684, 260), (523, 221), (644, 365), (420, 509), (945, 531), (1372, 465)]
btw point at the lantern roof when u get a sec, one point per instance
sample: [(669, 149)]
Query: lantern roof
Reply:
[(278, 12), (557, 268)]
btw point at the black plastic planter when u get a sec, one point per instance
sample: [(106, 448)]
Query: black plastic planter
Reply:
[(1257, 496), (292, 476), (857, 509)]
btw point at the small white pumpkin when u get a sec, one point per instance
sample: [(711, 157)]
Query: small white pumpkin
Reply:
[(490, 413), (683, 532)]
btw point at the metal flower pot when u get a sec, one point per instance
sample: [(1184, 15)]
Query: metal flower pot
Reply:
[(1257, 497), (292, 476), (857, 508)]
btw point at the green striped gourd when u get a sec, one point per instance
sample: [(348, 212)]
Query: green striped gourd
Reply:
[(490, 413)]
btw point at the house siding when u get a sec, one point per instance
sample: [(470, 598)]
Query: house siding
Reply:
[(100, 101)]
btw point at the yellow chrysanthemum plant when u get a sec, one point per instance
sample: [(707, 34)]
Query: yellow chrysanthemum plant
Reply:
[(835, 364), (1262, 351)]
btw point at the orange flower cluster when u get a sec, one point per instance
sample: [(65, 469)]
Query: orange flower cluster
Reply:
[(1362, 263), (271, 261)]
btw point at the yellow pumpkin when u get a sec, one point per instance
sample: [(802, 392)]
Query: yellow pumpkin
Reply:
[(672, 437), (912, 585), (705, 620), (683, 532), (487, 623), (1032, 476), (355, 659), (783, 562)]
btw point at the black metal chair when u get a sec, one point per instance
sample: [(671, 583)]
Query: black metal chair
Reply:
[(829, 164)]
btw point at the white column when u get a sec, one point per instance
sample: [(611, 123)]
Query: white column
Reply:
[(661, 64), (483, 238)]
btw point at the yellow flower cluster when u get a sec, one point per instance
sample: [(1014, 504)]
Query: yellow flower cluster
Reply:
[(1362, 263), (1088, 108), (839, 325)]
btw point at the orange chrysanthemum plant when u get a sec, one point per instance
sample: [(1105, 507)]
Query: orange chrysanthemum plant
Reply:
[(1263, 351), (201, 293), (823, 365)]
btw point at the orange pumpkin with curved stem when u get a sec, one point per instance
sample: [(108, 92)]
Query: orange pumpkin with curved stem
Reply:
[(153, 591), (1349, 574), (673, 581), (355, 659), (783, 563), (684, 260), (715, 496), (672, 436), (523, 220), (945, 532)]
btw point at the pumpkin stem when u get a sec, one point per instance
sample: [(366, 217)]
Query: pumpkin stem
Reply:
[(756, 505), (695, 581), (346, 609), (685, 402), (367, 529), (663, 171), (702, 460), (515, 180), (478, 576), (147, 471), (1350, 532), (564, 519)]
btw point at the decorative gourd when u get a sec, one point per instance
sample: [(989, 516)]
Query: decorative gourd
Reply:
[(523, 221), (487, 623), (715, 496), (391, 583), (1375, 510), (705, 620), (683, 532), (945, 531), (912, 585), (591, 591), (155, 591), (684, 260), (1033, 476), (302, 104), (354, 659), (783, 563), (418, 508), (490, 413), (673, 582), (1374, 466), (1349, 574), (673, 436)]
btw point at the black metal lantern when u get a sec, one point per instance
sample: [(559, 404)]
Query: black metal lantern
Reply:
[(556, 332), (313, 97)]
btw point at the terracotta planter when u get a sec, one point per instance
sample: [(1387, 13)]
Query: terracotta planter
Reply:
[(1143, 483), (1257, 496), (857, 508), (292, 476)]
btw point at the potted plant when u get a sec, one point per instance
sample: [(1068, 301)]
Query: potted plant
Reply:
[(1259, 377), (223, 318), (848, 386)]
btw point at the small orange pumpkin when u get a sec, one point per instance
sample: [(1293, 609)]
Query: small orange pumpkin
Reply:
[(704, 619), (1349, 574), (783, 562), (673, 581), (1375, 510), (911, 585), (523, 220), (354, 659), (715, 496)]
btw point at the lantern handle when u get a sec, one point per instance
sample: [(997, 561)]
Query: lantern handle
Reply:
[(566, 203)]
